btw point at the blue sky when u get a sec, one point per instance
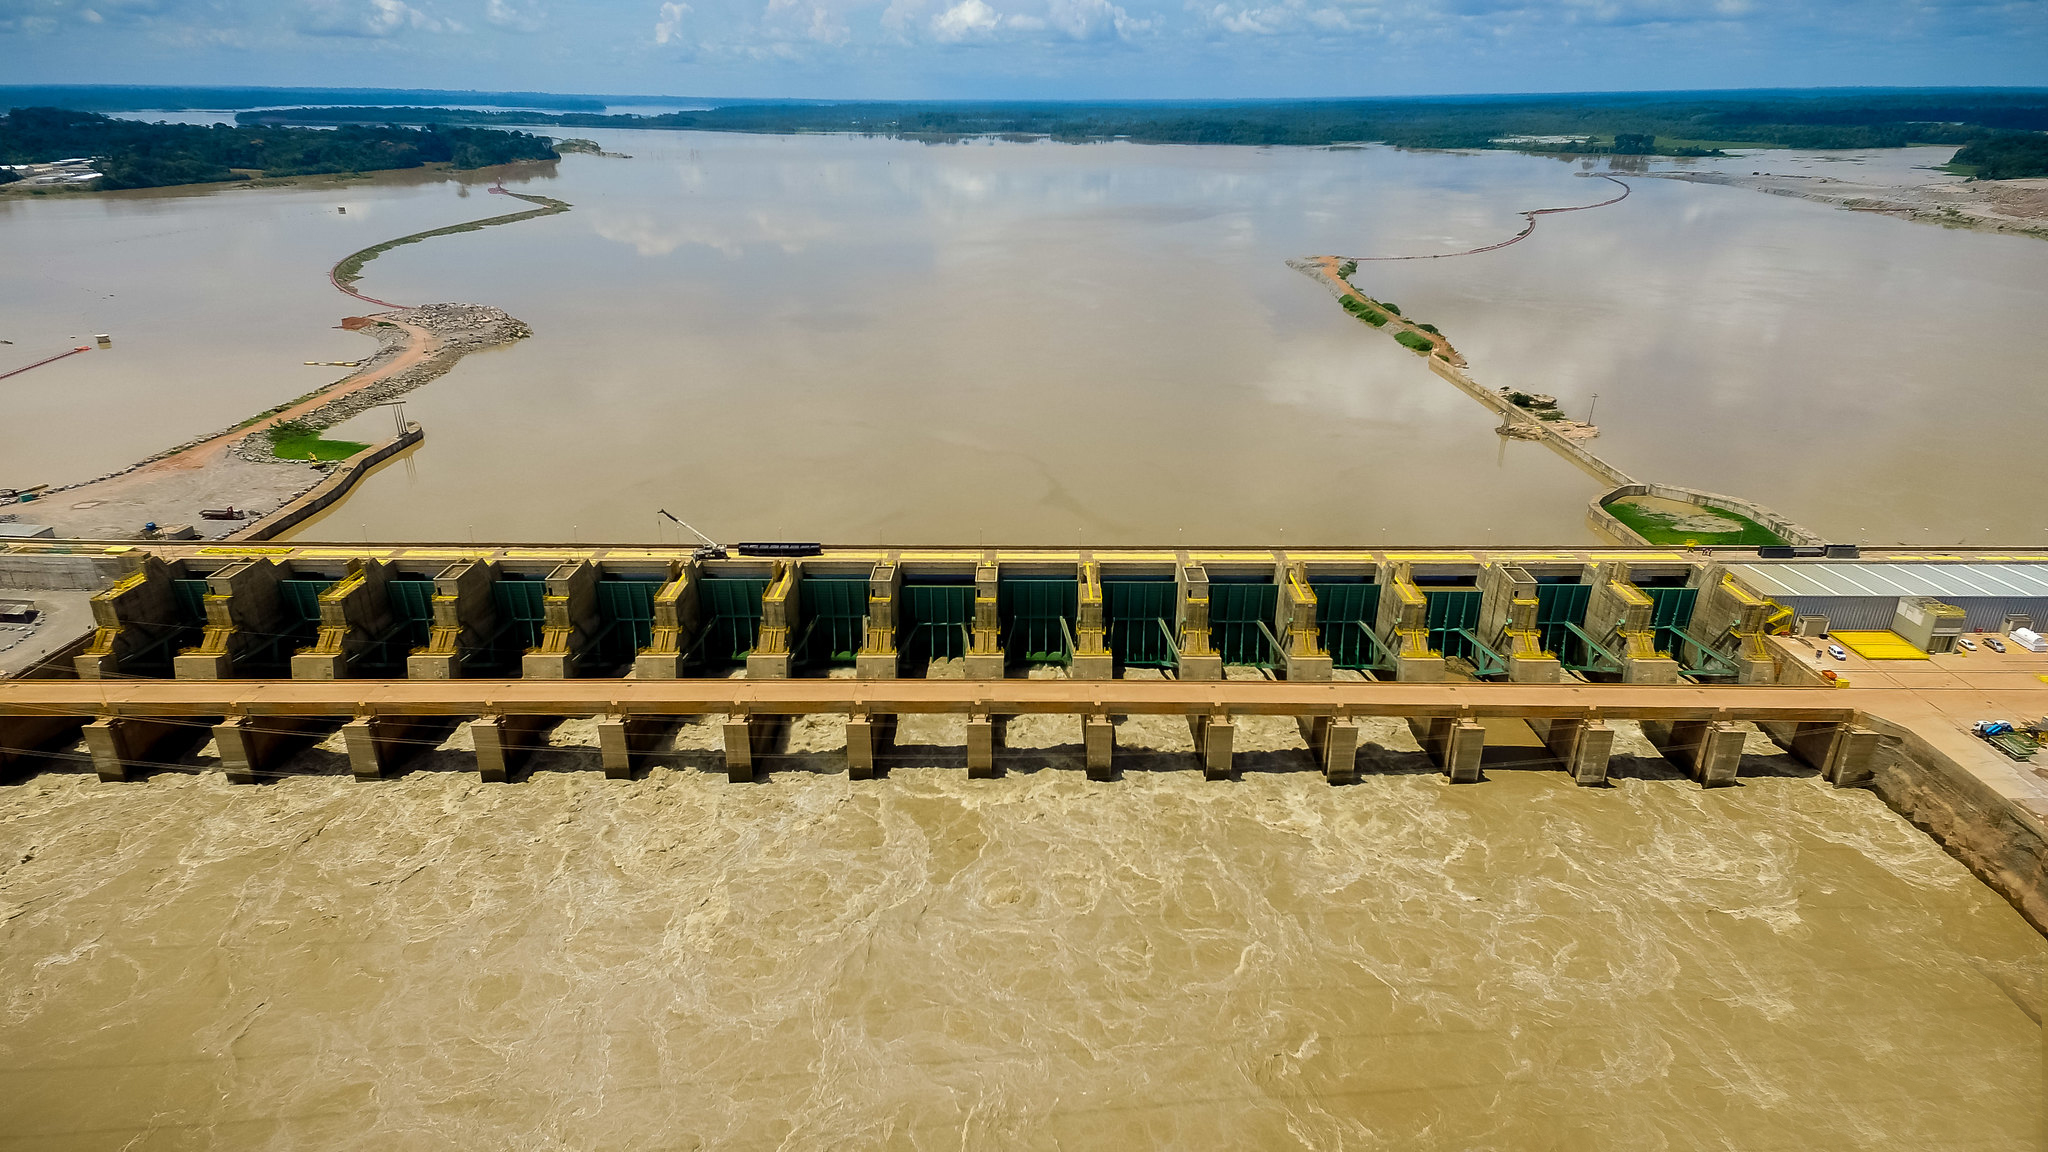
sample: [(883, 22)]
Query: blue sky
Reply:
[(1028, 48)]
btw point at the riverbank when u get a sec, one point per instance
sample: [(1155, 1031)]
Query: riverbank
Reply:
[(2019, 207), (236, 468)]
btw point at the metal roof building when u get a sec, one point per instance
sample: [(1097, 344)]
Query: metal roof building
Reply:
[(1866, 596)]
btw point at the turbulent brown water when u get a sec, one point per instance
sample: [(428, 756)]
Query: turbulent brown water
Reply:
[(929, 962)]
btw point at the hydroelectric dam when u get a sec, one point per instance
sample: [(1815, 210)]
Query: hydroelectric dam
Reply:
[(1536, 655)]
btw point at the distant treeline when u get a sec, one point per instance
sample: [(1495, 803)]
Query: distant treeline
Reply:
[(1672, 124), (2007, 156), (153, 98), (131, 154)]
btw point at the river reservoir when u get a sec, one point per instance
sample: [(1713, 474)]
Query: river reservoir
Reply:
[(880, 341)]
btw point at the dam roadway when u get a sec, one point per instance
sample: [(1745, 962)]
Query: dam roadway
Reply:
[(384, 651)]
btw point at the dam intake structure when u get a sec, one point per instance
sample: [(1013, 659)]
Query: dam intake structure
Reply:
[(268, 649)]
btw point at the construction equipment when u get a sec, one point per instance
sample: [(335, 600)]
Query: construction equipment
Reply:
[(2000, 734)]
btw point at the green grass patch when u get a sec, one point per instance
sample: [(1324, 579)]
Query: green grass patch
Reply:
[(298, 440), (1416, 341), (1661, 527), (1364, 311)]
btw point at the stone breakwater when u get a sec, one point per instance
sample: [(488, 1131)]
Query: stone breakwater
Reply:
[(457, 330)]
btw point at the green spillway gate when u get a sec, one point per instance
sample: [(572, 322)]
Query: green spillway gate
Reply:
[(937, 621), (731, 607), (835, 615), (1670, 613), (1345, 617), (412, 620), (1452, 617), (522, 616), (298, 624), (1240, 622), (625, 619), (1140, 615), (189, 600), (1038, 618), (187, 625), (1561, 629)]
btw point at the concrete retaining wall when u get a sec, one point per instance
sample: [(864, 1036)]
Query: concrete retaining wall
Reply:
[(2002, 843), (332, 489), (50, 568), (1610, 527)]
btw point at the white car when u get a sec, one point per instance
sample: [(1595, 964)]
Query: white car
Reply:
[(1994, 643), (1966, 644), (1835, 650)]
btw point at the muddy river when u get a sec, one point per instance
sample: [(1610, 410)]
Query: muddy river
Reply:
[(878, 341), (1037, 961)]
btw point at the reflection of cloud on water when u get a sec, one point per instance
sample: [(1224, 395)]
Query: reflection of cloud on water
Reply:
[(652, 235), (1345, 382)]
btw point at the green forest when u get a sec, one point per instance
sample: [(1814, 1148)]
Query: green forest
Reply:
[(1635, 124), (2007, 156), (132, 154)]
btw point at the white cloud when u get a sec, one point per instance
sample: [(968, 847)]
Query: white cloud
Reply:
[(374, 19), (814, 20), (1093, 19), (967, 20), (670, 24), (974, 20), (518, 15)]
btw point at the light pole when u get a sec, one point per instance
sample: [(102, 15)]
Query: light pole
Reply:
[(1590, 407)]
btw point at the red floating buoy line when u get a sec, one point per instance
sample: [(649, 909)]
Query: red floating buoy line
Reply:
[(47, 360)]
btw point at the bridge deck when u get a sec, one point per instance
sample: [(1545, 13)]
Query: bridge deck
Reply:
[(349, 698)]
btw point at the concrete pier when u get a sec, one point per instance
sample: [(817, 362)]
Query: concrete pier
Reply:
[(867, 737), (1711, 750), (571, 606), (1454, 743), (621, 740), (504, 742), (465, 620), (1092, 657), (1215, 735), (243, 613), (251, 747), (380, 745), (985, 657), (1334, 741), (770, 658), (121, 745), (878, 657), (1098, 740), (981, 745), (747, 736), (353, 613), (1305, 657), (1583, 746)]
